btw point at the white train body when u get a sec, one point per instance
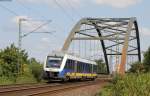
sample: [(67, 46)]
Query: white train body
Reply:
[(65, 66)]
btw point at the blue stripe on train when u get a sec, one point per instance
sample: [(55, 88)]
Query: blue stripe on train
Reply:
[(63, 72)]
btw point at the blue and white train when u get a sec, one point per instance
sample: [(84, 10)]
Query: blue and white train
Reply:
[(64, 66)]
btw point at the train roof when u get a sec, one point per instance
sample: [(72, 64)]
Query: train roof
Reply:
[(62, 54), (55, 53)]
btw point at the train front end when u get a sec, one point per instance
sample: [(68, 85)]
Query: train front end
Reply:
[(52, 67)]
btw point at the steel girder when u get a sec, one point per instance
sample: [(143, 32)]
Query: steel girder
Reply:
[(118, 31)]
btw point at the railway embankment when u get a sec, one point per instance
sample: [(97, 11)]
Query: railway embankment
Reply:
[(82, 88)]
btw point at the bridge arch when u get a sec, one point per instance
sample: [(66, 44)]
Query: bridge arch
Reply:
[(119, 32)]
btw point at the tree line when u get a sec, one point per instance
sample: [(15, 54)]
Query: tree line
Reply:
[(10, 66), (143, 66)]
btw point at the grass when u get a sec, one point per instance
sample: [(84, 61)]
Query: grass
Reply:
[(19, 80), (129, 85)]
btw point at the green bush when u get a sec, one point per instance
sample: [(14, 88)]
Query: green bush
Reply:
[(146, 60), (137, 67), (129, 85), (25, 78), (6, 80), (102, 68), (36, 69), (29, 69)]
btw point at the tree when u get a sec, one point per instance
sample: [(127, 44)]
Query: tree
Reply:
[(36, 69), (137, 67), (146, 60), (101, 66), (9, 60)]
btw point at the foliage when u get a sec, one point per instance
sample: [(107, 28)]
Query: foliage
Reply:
[(36, 69), (5, 80), (129, 85), (136, 83), (18, 80), (137, 67), (146, 60), (10, 67), (101, 66), (25, 78), (9, 60)]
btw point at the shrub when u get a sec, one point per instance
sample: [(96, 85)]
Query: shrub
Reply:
[(129, 85), (137, 67), (36, 69), (11, 71), (146, 60)]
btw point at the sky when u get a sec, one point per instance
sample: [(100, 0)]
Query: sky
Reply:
[(60, 17)]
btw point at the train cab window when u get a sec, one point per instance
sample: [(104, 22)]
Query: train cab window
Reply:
[(53, 62)]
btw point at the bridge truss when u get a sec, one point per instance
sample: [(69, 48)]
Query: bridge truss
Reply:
[(116, 40)]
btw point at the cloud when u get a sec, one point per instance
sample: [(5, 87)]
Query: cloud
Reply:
[(145, 31), (46, 45), (30, 24), (45, 39), (117, 3), (47, 42)]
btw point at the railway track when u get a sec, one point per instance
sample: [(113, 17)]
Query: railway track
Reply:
[(19, 85), (56, 90), (45, 89)]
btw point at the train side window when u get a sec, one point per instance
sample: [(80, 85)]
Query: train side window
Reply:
[(77, 67), (66, 65), (90, 69), (94, 68), (69, 64), (85, 67), (82, 66), (73, 64)]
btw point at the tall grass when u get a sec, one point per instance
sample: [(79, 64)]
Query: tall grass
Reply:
[(129, 85)]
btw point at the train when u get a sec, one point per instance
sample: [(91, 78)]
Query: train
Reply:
[(64, 66)]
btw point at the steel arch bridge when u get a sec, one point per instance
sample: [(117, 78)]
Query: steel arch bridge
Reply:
[(118, 38)]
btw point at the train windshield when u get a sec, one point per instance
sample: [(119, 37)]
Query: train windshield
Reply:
[(53, 62)]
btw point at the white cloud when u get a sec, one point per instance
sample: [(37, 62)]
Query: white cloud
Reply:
[(46, 45), (117, 3), (145, 31), (29, 24), (45, 39)]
